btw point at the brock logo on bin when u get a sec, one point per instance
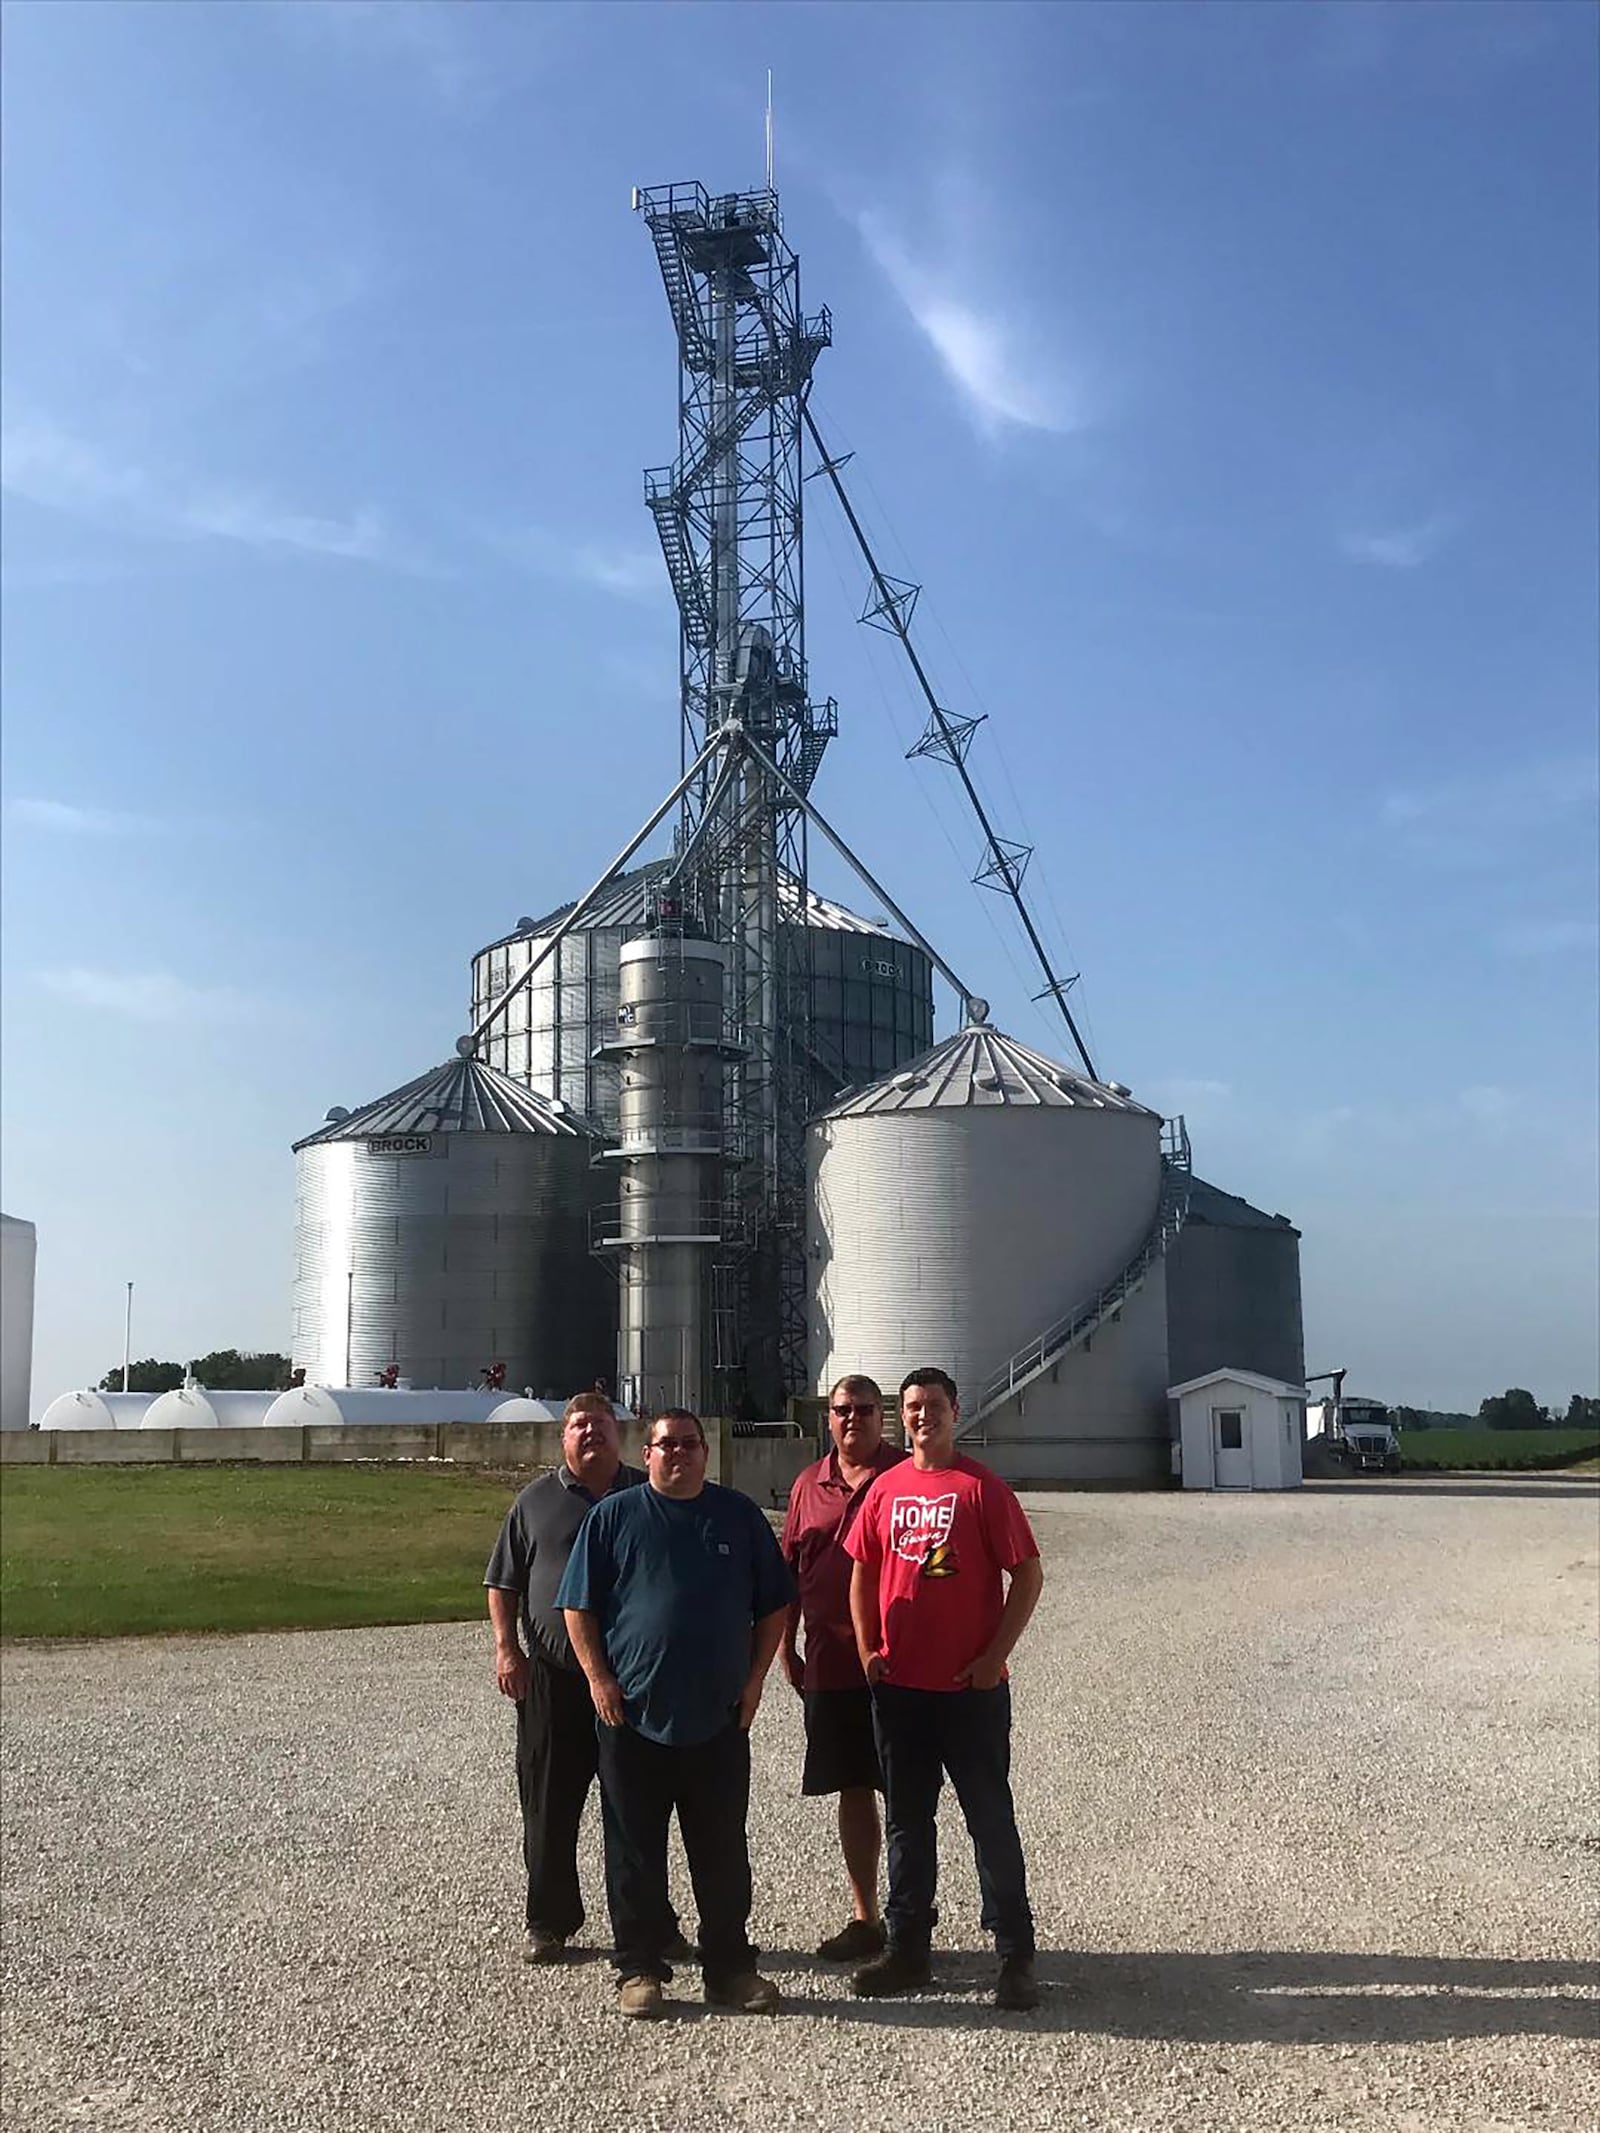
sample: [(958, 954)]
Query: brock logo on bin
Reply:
[(918, 1524)]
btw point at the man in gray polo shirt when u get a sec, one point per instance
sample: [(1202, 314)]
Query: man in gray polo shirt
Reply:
[(556, 1747)]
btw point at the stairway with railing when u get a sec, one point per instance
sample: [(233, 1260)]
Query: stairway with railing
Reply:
[(690, 210), (1046, 1349)]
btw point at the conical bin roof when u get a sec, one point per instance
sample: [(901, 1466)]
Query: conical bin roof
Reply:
[(462, 1096), (982, 1068)]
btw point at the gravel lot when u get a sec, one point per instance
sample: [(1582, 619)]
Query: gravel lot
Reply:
[(1308, 1786)]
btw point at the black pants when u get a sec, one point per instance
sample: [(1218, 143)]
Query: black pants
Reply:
[(555, 1768), (922, 1733), (641, 1782)]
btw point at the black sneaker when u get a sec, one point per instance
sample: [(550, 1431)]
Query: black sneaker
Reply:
[(896, 1970), (861, 1938), (1016, 1989)]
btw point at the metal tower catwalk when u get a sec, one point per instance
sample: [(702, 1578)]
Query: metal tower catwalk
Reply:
[(728, 513)]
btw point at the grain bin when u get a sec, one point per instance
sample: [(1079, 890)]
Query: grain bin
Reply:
[(960, 1208), (443, 1229), (18, 1253), (871, 995)]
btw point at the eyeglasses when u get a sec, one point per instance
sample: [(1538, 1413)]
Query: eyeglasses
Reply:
[(862, 1408), (676, 1444)]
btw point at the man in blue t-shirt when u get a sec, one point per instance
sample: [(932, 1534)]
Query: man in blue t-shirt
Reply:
[(675, 1598)]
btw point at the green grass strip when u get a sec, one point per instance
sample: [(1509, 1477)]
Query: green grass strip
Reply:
[(1489, 1450), (125, 1551)]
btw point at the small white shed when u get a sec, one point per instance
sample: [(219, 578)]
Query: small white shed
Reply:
[(1239, 1431)]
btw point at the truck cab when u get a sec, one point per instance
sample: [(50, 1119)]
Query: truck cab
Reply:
[(1359, 1432)]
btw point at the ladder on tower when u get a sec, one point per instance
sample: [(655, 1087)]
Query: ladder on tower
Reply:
[(1043, 1352)]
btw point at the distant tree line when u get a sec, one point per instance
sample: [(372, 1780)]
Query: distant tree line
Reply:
[(1515, 1408), (224, 1370)]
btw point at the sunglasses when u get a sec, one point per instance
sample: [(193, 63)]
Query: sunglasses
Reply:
[(676, 1444), (862, 1408)]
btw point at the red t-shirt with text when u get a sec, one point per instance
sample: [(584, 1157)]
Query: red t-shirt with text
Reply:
[(938, 1540)]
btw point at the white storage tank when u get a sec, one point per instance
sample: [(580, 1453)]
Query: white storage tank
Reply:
[(195, 1407), (445, 1228), (97, 1410), (18, 1252), (357, 1407), (962, 1206)]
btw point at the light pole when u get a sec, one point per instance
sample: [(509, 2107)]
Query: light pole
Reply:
[(127, 1338)]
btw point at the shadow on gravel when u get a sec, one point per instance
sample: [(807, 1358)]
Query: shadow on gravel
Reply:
[(1261, 1997), (1481, 1486)]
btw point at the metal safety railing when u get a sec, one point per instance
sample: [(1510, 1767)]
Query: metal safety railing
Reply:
[(610, 1232), (1039, 1354)]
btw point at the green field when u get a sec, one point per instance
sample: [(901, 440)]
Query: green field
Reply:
[(1484, 1450), (121, 1551)]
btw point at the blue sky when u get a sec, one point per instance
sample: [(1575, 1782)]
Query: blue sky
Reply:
[(1225, 374)]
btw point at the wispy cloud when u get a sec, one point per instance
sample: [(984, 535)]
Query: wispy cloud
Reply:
[(427, 38), (1489, 1106), (1532, 940), (150, 995), (1005, 382), (65, 818), (1401, 547), (1471, 817), (51, 466), (631, 570), (1484, 1111)]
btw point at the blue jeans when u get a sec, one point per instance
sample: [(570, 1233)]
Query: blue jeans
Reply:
[(922, 1734)]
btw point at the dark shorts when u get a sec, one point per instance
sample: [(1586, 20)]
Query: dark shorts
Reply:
[(841, 1753)]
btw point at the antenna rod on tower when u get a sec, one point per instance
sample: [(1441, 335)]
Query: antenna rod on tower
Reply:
[(771, 159)]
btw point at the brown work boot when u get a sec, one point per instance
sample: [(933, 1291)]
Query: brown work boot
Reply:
[(747, 1992), (640, 1998), (896, 1970), (861, 1938)]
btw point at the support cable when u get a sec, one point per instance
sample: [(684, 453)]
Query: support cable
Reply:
[(890, 608), (970, 1002), (553, 942)]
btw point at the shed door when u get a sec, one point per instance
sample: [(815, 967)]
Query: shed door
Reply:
[(1230, 1447)]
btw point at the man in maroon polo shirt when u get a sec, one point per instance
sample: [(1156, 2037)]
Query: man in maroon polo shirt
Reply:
[(841, 1755)]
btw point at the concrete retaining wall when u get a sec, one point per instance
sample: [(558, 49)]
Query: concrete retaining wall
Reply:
[(763, 1467)]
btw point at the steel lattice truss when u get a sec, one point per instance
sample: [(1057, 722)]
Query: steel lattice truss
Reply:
[(728, 514)]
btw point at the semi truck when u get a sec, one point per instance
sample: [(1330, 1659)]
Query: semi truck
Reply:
[(1359, 1433)]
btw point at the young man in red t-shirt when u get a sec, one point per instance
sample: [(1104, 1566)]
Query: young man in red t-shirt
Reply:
[(933, 1545)]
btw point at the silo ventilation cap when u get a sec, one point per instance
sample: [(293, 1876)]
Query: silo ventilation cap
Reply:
[(335, 1117), (907, 1081)]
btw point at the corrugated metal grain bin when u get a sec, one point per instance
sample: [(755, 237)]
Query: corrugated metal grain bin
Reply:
[(964, 1204), (871, 995), (18, 1255), (445, 1228)]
